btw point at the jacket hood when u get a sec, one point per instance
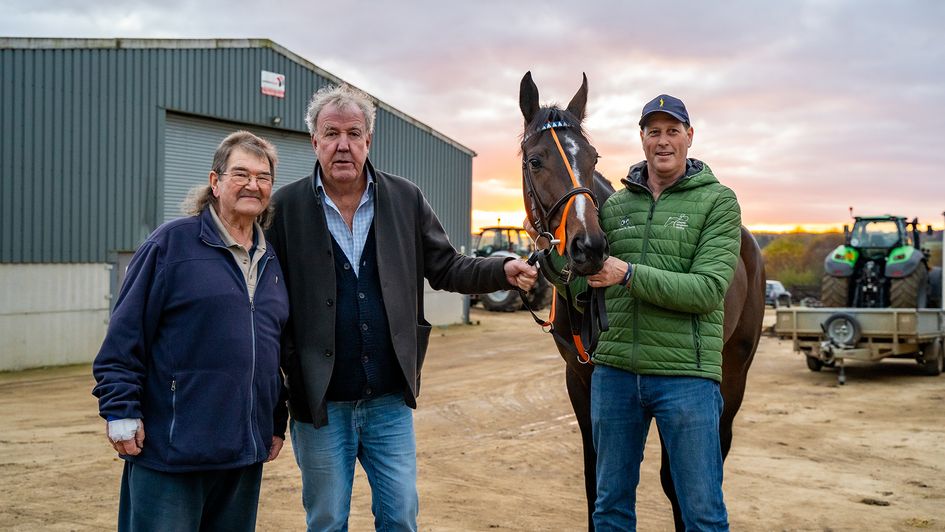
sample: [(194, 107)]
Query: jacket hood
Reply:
[(697, 174)]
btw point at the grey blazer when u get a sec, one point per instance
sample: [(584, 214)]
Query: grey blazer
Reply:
[(411, 245)]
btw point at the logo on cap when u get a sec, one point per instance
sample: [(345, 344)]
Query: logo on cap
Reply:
[(665, 103)]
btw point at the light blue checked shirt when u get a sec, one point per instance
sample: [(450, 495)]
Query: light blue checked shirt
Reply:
[(351, 240)]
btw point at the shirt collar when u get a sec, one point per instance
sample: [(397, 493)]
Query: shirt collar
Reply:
[(368, 190), (228, 240)]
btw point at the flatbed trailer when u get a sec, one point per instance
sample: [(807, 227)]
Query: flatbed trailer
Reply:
[(828, 336)]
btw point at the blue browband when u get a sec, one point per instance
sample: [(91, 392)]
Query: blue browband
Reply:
[(546, 127)]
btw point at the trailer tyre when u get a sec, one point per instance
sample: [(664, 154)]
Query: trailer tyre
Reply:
[(842, 329), (932, 360), (834, 291), (911, 291), (814, 364)]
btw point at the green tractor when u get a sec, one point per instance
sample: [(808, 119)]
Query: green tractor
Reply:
[(881, 265), (509, 241)]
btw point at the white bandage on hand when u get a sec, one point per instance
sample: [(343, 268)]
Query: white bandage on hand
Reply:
[(123, 429)]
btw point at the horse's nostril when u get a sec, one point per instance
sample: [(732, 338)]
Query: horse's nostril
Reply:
[(577, 250)]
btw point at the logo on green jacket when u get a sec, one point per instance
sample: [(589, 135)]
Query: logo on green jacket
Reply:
[(678, 222)]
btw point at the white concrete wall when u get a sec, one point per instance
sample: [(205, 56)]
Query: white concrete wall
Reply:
[(441, 308), (52, 314)]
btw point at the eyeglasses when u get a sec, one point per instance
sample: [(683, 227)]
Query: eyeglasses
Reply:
[(241, 178)]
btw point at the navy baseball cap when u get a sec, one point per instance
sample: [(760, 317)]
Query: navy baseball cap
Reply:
[(664, 103)]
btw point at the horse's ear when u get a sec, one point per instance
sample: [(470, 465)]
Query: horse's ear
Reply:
[(528, 98), (579, 102)]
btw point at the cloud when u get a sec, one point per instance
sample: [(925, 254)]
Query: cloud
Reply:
[(803, 107)]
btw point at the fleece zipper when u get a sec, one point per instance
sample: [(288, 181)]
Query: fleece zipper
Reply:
[(252, 322)]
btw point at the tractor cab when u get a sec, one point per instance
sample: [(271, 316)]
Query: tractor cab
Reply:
[(507, 239), (881, 264), (874, 237)]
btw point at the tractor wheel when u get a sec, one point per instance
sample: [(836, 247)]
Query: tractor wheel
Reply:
[(540, 295), (935, 287), (834, 291), (814, 364), (911, 291), (501, 301), (932, 360)]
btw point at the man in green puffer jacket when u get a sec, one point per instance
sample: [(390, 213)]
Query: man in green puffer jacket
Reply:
[(674, 240)]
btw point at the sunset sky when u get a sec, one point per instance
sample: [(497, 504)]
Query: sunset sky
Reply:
[(804, 108)]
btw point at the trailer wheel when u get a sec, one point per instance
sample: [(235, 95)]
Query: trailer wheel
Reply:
[(842, 329), (932, 360), (911, 291), (834, 291), (501, 301), (814, 364)]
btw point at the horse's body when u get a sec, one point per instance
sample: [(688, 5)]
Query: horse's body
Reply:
[(744, 310)]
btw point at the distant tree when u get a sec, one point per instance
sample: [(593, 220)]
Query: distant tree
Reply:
[(764, 239), (797, 259)]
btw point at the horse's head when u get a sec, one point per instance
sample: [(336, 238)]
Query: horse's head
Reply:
[(558, 178)]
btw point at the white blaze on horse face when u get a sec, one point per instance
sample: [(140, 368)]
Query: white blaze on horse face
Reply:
[(580, 201)]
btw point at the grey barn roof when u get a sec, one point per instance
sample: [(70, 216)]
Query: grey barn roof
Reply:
[(120, 43)]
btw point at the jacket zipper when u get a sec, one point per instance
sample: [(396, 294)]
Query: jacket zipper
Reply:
[(252, 321), (252, 380), (697, 340), (173, 409), (636, 302)]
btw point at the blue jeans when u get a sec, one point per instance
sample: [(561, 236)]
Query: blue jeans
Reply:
[(379, 434), (223, 500), (687, 411)]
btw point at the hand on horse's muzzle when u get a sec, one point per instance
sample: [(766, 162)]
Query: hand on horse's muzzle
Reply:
[(612, 273), (521, 274)]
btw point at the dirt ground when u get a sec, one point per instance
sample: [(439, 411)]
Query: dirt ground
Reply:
[(499, 448)]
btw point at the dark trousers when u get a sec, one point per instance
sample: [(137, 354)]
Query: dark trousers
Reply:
[(224, 500)]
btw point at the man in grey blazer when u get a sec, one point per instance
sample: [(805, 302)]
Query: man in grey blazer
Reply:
[(355, 244)]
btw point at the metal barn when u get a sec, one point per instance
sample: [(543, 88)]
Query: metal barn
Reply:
[(101, 139)]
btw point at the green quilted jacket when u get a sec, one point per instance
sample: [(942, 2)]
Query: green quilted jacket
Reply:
[(684, 248)]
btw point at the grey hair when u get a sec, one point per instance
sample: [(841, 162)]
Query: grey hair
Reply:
[(340, 96), (199, 197)]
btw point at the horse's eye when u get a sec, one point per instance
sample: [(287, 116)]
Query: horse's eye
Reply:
[(534, 163)]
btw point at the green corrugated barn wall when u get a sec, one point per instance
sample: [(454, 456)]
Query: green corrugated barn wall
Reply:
[(83, 131), (99, 141)]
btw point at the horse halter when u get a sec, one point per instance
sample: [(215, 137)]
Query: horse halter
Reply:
[(541, 217), (584, 343)]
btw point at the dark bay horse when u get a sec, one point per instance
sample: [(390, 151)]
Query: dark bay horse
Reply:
[(561, 197)]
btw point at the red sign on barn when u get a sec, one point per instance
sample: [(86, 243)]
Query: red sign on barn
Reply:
[(272, 84)]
